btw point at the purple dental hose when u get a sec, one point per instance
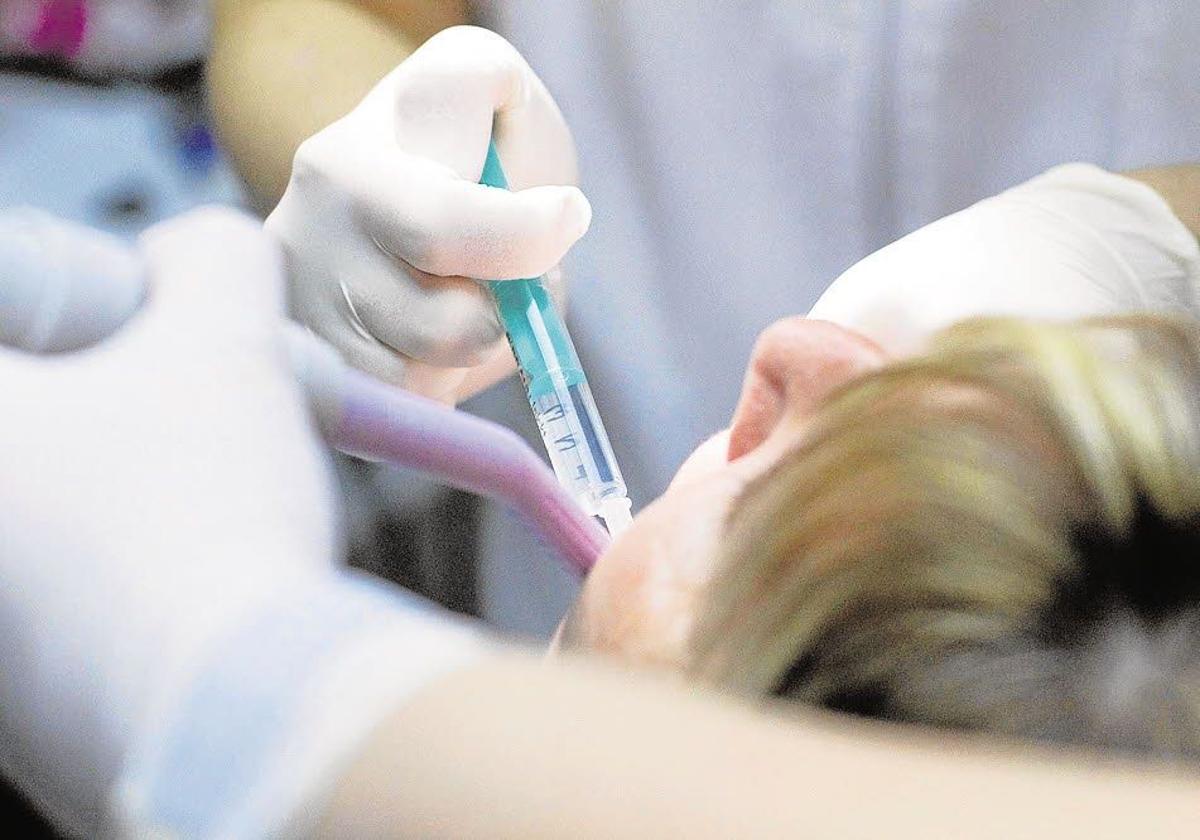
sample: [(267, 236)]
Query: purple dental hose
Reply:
[(383, 423)]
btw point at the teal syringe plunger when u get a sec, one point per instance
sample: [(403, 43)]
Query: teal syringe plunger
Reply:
[(558, 392)]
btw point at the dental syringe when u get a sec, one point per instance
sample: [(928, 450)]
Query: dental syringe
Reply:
[(558, 392)]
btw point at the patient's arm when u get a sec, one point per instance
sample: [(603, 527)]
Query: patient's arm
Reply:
[(281, 70), (518, 748)]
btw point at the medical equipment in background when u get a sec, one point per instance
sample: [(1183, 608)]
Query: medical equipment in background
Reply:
[(558, 391), (108, 39), (119, 157), (66, 287)]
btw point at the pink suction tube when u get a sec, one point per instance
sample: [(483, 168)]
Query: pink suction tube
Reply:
[(383, 423), (365, 417)]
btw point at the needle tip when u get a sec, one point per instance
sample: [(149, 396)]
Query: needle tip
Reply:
[(616, 514)]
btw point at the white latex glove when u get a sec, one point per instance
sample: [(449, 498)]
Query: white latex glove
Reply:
[(108, 37), (179, 655), (383, 220), (63, 286), (1074, 242), (154, 490)]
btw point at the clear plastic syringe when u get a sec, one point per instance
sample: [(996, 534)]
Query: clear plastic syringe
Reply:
[(558, 392)]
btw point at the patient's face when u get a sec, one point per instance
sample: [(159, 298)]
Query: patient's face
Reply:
[(639, 602)]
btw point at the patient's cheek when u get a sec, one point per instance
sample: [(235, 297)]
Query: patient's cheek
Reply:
[(639, 604), (630, 608)]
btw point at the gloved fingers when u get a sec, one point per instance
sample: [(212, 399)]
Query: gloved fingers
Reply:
[(441, 321), (1160, 255), (1073, 242), (556, 283), (326, 309), (439, 104), (364, 352), (441, 384), (361, 350), (63, 286), (534, 143), (499, 364), (451, 227), (213, 271)]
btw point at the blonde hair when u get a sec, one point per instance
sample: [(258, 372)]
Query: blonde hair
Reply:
[(1001, 535)]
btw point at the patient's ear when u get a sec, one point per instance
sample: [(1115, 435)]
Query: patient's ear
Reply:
[(796, 364)]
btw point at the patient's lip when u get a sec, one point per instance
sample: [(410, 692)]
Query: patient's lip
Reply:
[(708, 457)]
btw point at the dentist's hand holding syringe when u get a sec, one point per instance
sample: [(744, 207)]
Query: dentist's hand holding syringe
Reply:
[(393, 215)]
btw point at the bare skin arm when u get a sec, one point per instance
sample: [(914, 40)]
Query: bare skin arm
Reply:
[(518, 748), (1180, 186), (281, 70)]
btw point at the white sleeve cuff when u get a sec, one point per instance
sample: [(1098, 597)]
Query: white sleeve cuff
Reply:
[(263, 730)]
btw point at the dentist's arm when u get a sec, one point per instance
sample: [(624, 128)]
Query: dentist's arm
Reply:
[(517, 748), (169, 545), (281, 70)]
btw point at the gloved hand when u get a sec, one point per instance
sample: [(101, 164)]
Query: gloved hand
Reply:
[(65, 286), (156, 489), (383, 221), (1073, 242), (108, 37)]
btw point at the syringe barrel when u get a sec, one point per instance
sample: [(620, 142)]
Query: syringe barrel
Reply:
[(558, 392), (539, 339), (578, 445)]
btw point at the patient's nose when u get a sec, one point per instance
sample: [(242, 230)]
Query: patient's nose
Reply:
[(795, 364)]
